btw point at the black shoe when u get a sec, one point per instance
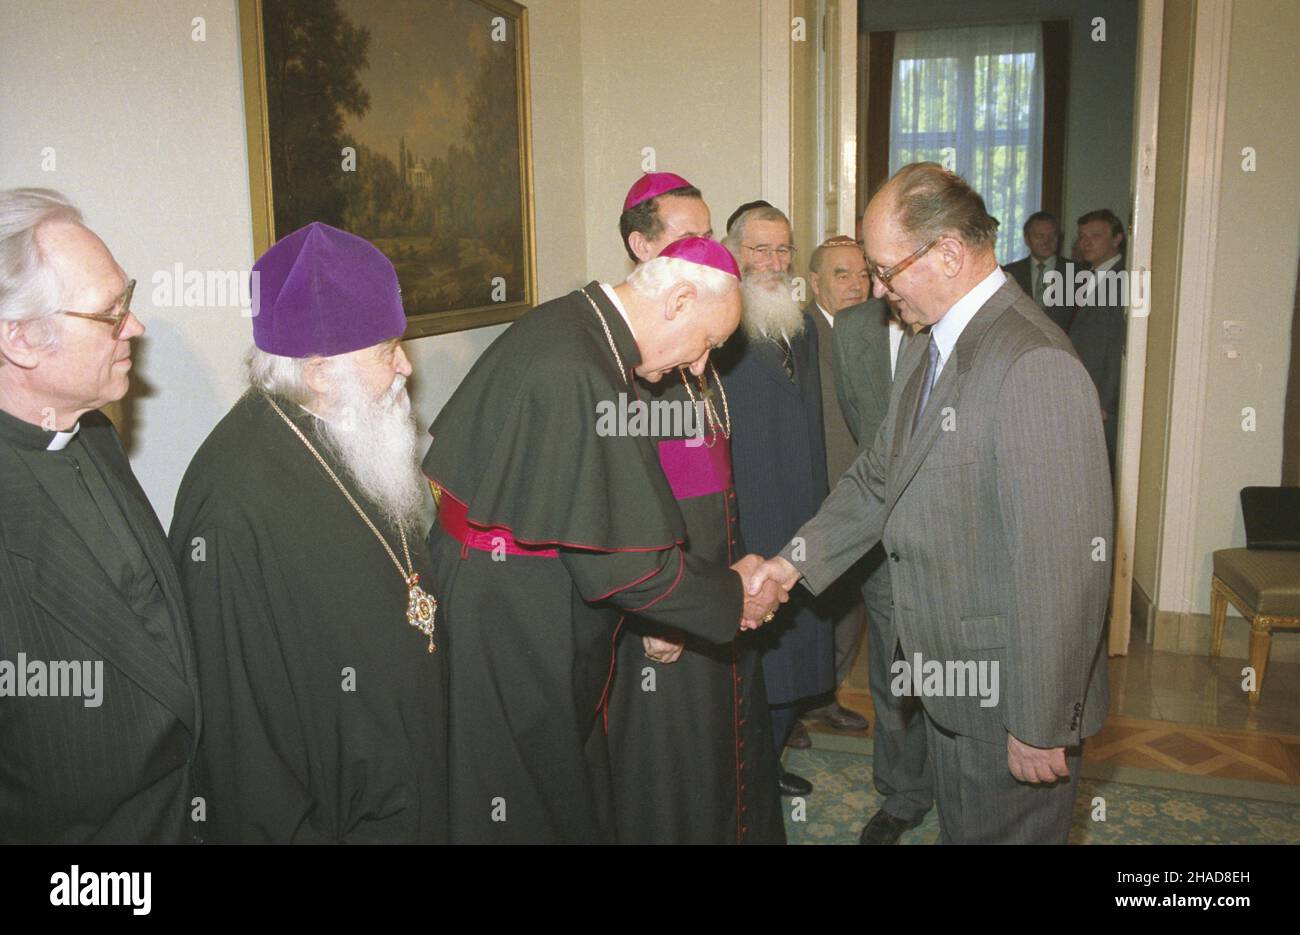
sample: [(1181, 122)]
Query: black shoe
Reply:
[(884, 828), (790, 784), (798, 739), (838, 717)]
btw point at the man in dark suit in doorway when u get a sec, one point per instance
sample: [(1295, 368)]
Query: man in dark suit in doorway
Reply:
[(1096, 326), (1042, 233)]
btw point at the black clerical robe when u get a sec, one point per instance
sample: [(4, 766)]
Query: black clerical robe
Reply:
[(328, 714), (690, 741), (97, 743), (548, 530)]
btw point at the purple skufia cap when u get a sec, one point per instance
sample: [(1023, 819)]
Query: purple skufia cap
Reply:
[(703, 251), (650, 186), (322, 292)]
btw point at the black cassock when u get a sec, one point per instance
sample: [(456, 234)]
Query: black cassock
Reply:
[(328, 713), (547, 532), (690, 741), (779, 454)]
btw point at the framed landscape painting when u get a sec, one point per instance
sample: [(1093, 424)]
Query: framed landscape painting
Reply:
[(405, 122)]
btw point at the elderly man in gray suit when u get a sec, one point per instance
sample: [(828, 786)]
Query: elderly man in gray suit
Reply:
[(838, 277), (988, 484), (867, 346)]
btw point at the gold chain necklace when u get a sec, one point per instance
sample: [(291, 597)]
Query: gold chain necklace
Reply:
[(421, 606), (706, 394), (608, 337)]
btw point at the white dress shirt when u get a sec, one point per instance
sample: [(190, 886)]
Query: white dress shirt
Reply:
[(896, 333), (945, 332)]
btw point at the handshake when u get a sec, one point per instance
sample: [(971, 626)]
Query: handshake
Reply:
[(767, 586)]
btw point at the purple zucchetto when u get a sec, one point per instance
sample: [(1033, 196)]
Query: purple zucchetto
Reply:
[(323, 292), (703, 251), (652, 185)]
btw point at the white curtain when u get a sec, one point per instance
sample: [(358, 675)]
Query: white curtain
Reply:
[(972, 98)]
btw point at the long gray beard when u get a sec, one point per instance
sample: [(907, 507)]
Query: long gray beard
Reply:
[(769, 306), (375, 441)]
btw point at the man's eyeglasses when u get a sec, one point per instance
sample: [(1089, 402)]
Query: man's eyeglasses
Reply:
[(887, 275), (117, 317), (764, 252)]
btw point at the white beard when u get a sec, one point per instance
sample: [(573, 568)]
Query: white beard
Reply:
[(769, 306), (375, 441)]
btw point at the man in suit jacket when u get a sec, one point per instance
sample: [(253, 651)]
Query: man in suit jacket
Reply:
[(770, 373), (869, 343), (99, 709), (1042, 233), (1096, 326), (988, 485), (838, 277)]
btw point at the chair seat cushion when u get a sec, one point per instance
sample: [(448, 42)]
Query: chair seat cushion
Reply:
[(1267, 580)]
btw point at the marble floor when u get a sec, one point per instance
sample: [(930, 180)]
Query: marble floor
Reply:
[(1179, 713)]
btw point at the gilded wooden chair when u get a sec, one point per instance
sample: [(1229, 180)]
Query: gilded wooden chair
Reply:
[(1262, 580)]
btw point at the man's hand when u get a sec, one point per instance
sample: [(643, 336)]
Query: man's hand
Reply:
[(1035, 764), (774, 570), (665, 648), (761, 600)]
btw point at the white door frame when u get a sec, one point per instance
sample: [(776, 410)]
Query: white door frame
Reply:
[(1146, 101), (1176, 577)]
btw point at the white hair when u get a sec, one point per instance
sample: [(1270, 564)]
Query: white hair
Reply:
[(278, 376), (30, 291), (655, 277)]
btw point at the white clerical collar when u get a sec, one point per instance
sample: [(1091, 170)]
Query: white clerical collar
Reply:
[(1107, 265), (948, 329), (61, 439), (618, 304), (830, 319)]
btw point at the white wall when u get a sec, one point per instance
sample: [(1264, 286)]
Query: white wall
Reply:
[(1255, 277), (689, 88), (1099, 122), (148, 132)]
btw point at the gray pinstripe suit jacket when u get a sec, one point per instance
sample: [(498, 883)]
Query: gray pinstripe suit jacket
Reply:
[(997, 520)]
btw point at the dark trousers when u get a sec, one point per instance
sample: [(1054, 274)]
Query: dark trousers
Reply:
[(899, 759), (783, 718)]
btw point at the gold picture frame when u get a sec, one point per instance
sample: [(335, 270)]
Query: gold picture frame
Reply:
[(423, 321)]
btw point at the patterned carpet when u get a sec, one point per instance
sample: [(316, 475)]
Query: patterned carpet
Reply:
[(1141, 806)]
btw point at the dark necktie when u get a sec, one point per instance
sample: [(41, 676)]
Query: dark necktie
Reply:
[(787, 356), (1038, 283), (927, 382)]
